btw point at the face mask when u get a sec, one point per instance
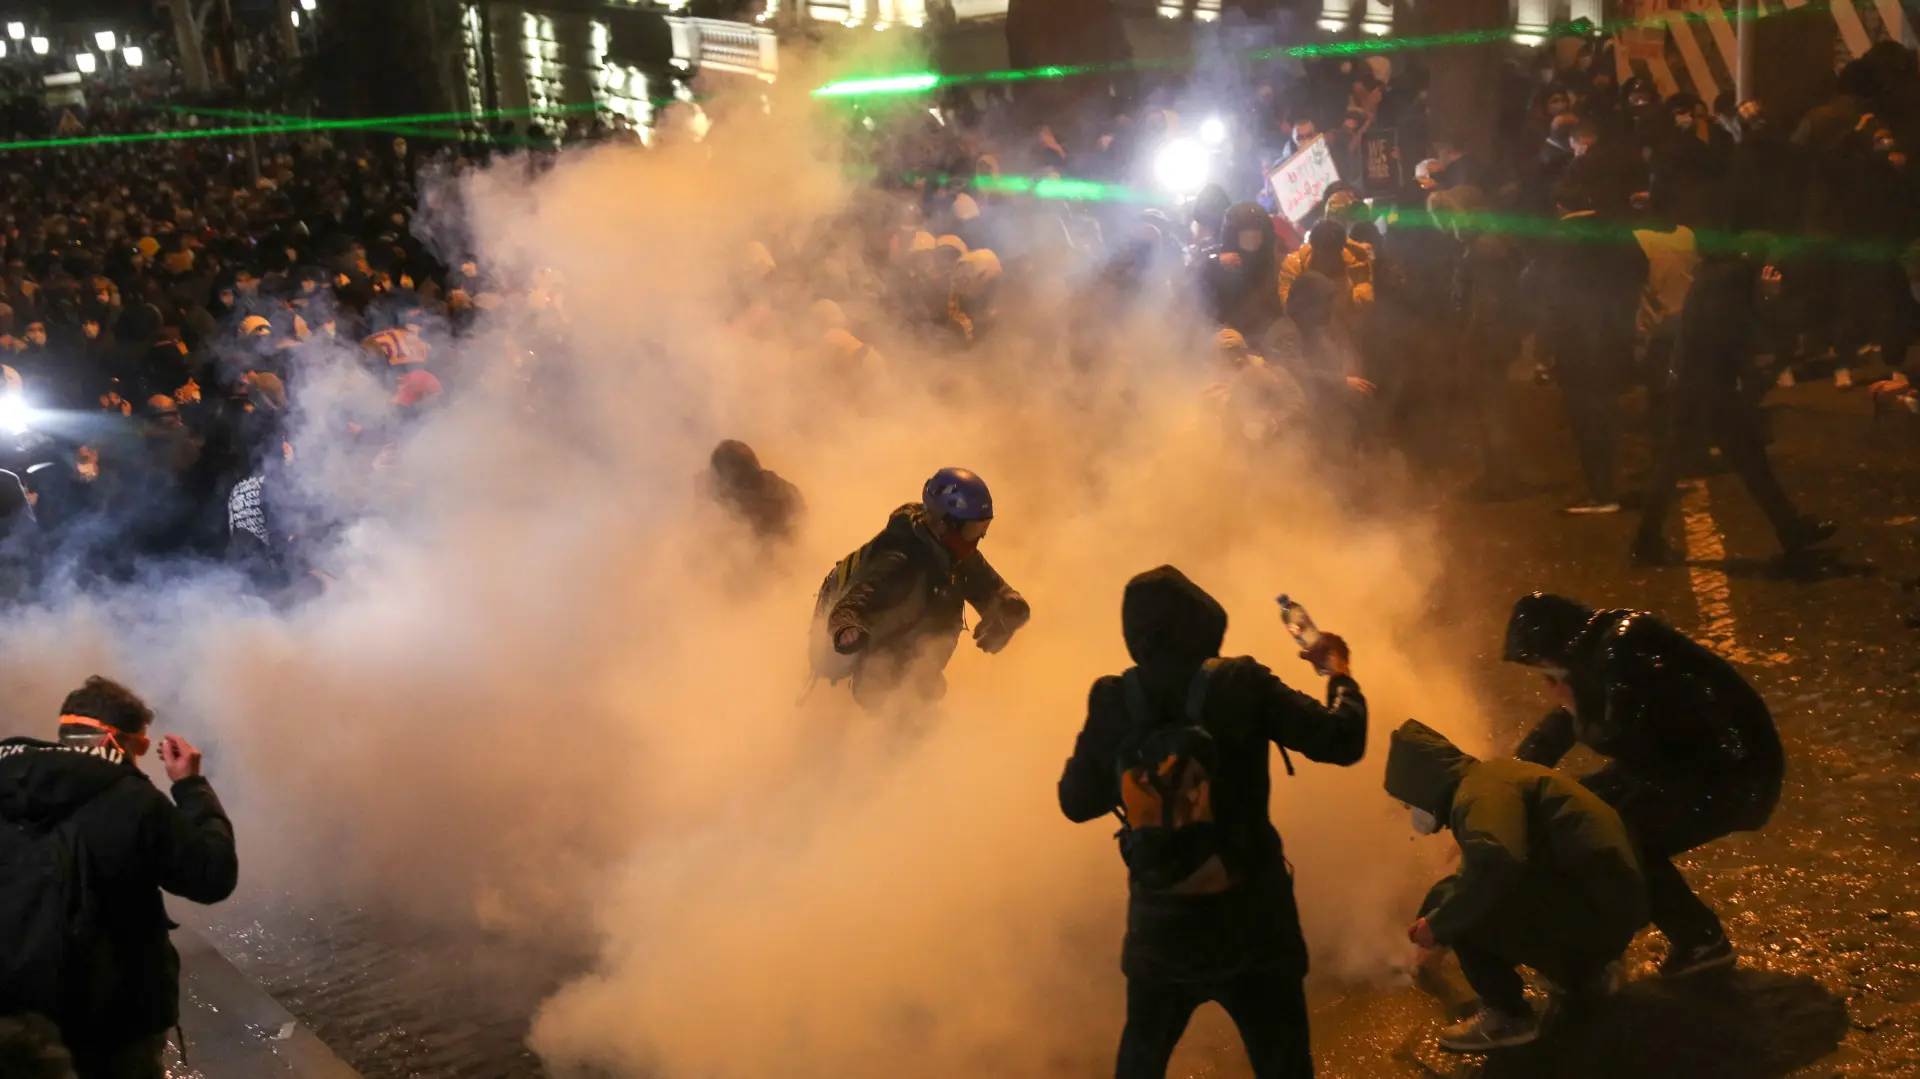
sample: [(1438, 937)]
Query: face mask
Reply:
[(1249, 240), (1424, 823)]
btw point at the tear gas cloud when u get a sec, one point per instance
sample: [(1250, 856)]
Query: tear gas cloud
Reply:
[(551, 689)]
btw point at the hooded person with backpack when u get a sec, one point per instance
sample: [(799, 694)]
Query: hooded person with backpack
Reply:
[(1548, 879), (890, 614), (87, 844), (1177, 747)]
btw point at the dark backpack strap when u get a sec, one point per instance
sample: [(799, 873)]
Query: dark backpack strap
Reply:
[(1197, 693), (1197, 702)]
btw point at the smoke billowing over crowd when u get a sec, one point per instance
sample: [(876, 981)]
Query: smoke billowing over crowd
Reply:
[(549, 688)]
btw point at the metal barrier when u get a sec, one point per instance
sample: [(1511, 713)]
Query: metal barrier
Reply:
[(719, 45)]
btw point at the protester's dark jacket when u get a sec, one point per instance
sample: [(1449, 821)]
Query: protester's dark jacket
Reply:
[(1721, 324), (1588, 280), (913, 588), (1172, 627), (1245, 297), (1667, 710), (769, 504), (135, 844), (1536, 847)]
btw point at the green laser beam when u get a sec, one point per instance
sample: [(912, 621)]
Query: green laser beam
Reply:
[(1366, 45), (1521, 226), (393, 129), (262, 129)]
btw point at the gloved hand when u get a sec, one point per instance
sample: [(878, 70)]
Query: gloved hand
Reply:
[(993, 632), (849, 640), (991, 635)]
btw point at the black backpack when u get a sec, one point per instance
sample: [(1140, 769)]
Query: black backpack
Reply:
[(48, 939), (1168, 836)]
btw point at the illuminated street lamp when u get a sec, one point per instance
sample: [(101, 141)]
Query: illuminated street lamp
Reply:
[(309, 5), (39, 46), (133, 56), (85, 62), (16, 30), (295, 16), (104, 39)]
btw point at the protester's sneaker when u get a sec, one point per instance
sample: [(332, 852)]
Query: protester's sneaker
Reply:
[(1491, 1029), (1716, 954), (1591, 507), (1843, 378)]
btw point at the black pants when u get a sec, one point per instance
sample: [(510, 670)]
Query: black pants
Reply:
[(1680, 916), (134, 1060), (1496, 981), (1666, 819), (1271, 1012), (1717, 413), (1591, 387)]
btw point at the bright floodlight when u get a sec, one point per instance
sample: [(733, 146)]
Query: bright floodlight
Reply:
[(14, 414), (309, 5), (133, 56), (84, 62), (3, 49), (16, 30), (295, 16), (1181, 166), (39, 45), (1213, 131), (104, 39)]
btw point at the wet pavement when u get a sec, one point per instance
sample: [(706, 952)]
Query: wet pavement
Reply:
[(1822, 905)]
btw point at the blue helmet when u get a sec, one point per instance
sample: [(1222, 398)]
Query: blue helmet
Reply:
[(958, 494)]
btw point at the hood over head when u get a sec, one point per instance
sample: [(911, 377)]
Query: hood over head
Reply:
[(42, 782), (1424, 769), (1246, 216), (1543, 629), (1166, 618)]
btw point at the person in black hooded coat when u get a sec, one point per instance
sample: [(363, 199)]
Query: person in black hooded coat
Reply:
[(1240, 946), (1241, 277), (122, 994), (1692, 751)]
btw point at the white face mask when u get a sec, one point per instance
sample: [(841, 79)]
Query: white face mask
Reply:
[(1424, 823), (1249, 240)]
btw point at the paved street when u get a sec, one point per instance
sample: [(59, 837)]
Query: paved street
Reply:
[(1822, 905)]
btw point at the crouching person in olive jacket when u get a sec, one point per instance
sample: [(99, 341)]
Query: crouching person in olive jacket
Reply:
[(1548, 879)]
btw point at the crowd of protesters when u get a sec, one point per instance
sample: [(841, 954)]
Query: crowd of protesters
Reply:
[(158, 296), (1570, 226), (164, 306)]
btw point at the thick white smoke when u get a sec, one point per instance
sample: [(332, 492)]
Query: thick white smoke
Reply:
[(549, 681)]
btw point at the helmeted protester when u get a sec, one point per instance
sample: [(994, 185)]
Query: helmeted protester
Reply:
[(890, 614), (770, 506), (1178, 747), (1692, 752), (1548, 879)]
